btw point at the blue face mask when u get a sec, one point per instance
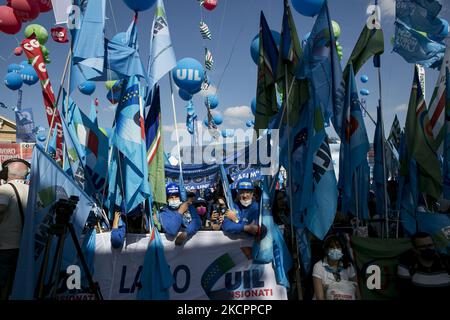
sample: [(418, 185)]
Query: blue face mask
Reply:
[(335, 254)]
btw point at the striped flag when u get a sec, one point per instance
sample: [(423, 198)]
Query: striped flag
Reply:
[(209, 61), (394, 135), (155, 152), (204, 30), (437, 105)]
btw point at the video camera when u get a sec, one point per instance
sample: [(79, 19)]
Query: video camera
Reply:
[(64, 209)]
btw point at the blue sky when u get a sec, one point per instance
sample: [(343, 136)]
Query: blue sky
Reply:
[(233, 25)]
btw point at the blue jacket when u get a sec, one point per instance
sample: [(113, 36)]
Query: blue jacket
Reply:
[(172, 221), (118, 235), (246, 215)]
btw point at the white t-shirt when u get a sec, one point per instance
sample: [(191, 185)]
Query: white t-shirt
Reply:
[(336, 290), (10, 220)]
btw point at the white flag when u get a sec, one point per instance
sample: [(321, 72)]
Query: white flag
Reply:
[(162, 58)]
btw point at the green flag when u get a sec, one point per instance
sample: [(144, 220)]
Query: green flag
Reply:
[(288, 61), (420, 142), (383, 253), (266, 96), (370, 43)]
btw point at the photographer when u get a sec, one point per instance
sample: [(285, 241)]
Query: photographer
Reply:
[(13, 203), (218, 214)]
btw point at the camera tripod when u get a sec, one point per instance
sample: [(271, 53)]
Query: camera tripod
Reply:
[(63, 212)]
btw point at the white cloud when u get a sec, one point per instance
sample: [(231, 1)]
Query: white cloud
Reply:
[(211, 90), (401, 108), (387, 8), (238, 112)]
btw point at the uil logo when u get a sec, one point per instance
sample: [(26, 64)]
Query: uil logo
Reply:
[(188, 74)]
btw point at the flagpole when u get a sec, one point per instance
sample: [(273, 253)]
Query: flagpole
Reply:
[(55, 107), (175, 123), (383, 144), (377, 63), (293, 242)]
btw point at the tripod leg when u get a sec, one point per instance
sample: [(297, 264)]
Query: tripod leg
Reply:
[(93, 286), (57, 261), (39, 292)]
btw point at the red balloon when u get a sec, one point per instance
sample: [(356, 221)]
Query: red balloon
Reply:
[(9, 22), (26, 10), (45, 5), (210, 4), (18, 51)]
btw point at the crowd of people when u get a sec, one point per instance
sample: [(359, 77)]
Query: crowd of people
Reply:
[(423, 272)]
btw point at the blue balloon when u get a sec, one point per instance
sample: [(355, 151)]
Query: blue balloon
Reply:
[(189, 75), (364, 92), (254, 48), (249, 123), (13, 81), (364, 78), (41, 137), (139, 5), (29, 75), (186, 96), (217, 119), (308, 8), (253, 106), (87, 87), (206, 123), (213, 101), (14, 67)]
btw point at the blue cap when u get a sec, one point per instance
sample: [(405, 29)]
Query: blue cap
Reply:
[(245, 184), (172, 189)]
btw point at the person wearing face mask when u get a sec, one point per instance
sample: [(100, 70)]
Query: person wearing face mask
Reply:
[(245, 218), (200, 205), (422, 272), (334, 277), (179, 219)]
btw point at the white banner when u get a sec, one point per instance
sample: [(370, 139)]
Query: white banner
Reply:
[(60, 9), (208, 266)]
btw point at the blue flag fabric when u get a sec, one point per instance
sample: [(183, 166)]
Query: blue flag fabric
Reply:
[(378, 176), (320, 213), (304, 248), (446, 171), (156, 278), (88, 59), (322, 67), (416, 48), (162, 58), (128, 172), (353, 165), (88, 249), (408, 183), (436, 224), (421, 15), (272, 247), (25, 128), (91, 146), (49, 183)]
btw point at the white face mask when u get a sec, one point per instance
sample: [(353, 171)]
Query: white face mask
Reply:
[(174, 204), (246, 203)]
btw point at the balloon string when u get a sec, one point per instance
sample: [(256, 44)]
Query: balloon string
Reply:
[(219, 39), (234, 47), (112, 14)]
